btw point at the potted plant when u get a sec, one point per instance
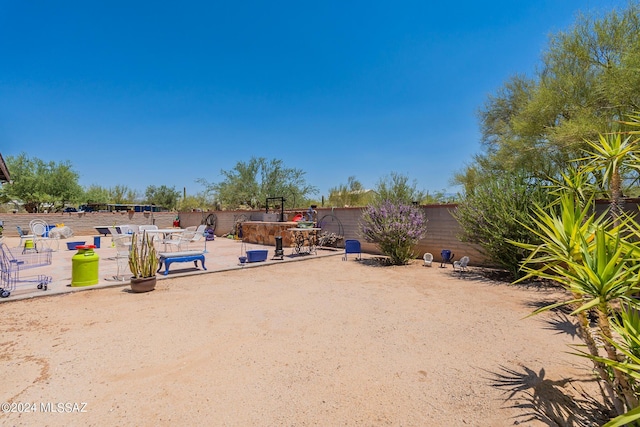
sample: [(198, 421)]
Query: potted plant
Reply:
[(143, 262)]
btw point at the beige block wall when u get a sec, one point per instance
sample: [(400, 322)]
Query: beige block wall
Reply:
[(442, 229), (82, 223)]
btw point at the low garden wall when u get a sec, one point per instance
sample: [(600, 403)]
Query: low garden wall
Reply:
[(442, 229)]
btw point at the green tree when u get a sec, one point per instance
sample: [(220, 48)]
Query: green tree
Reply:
[(199, 201), (162, 196), (38, 183), (249, 184), (587, 80), (121, 194), (438, 197), (396, 188), (96, 194), (352, 193)]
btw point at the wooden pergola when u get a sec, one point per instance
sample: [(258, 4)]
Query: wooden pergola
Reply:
[(4, 172)]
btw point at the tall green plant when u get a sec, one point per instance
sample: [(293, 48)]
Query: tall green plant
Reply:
[(494, 212), (597, 264), (143, 259)]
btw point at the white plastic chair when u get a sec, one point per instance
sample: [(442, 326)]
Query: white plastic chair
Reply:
[(42, 243), (462, 264), (199, 235), (126, 229), (123, 247), (180, 240), (428, 259)]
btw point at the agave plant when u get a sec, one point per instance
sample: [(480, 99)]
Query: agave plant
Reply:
[(143, 259)]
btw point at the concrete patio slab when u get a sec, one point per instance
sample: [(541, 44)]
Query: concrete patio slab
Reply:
[(221, 255)]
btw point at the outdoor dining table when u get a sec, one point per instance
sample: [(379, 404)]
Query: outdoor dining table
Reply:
[(165, 232)]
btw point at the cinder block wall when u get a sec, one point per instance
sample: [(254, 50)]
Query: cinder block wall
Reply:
[(82, 223), (442, 229)]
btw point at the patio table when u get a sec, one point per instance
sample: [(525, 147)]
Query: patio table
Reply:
[(165, 232)]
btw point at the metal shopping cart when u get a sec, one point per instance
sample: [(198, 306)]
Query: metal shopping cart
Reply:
[(11, 267)]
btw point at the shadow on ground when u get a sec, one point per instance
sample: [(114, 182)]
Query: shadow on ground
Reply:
[(560, 402)]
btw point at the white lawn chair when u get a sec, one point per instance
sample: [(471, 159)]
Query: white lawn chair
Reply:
[(42, 243), (179, 240), (123, 247), (199, 235), (461, 265), (428, 259)]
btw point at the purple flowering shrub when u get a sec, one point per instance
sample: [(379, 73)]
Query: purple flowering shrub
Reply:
[(395, 228)]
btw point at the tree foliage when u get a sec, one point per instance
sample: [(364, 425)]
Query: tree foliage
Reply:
[(396, 188), (41, 184), (122, 194), (96, 194), (588, 80), (352, 193), (162, 196), (249, 184)]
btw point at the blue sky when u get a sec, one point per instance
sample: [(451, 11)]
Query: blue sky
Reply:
[(141, 93)]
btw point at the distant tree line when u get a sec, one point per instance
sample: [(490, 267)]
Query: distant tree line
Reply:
[(51, 186), (41, 186)]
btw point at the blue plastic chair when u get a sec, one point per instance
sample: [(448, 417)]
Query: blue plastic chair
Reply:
[(447, 257), (352, 247)]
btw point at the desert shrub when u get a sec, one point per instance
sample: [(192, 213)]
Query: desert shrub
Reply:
[(395, 228), (497, 212)]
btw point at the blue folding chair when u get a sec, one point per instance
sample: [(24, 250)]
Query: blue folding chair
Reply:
[(352, 247)]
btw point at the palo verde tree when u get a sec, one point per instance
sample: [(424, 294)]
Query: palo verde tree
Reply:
[(352, 193), (249, 184), (122, 194), (397, 188), (588, 79)]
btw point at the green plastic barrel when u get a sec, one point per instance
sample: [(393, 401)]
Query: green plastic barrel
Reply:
[(84, 266)]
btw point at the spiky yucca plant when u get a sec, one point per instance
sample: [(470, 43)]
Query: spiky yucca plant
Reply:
[(143, 259)]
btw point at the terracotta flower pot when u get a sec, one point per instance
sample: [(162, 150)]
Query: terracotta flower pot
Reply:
[(144, 284)]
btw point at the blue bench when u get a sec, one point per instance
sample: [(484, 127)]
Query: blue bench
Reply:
[(167, 258)]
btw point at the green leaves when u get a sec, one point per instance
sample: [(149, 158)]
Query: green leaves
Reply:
[(143, 258), (39, 184), (588, 78), (499, 211), (250, 183)]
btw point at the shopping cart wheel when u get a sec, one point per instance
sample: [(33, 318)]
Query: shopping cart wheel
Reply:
[(4, 294), (44, 287), (39, 285)]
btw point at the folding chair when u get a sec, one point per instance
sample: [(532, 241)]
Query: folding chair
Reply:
[(352, 247)]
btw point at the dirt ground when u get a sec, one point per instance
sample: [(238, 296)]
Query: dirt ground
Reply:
[(321, 342)]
